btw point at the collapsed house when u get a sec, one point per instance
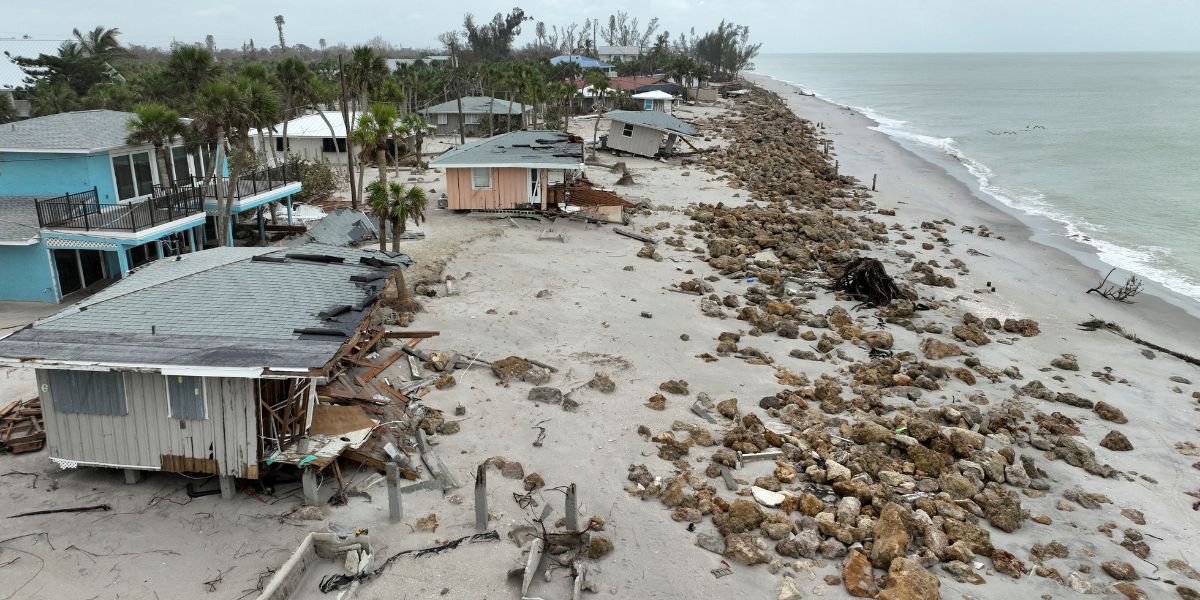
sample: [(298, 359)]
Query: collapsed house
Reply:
[(510, 171), (207, 363), (641, 132)]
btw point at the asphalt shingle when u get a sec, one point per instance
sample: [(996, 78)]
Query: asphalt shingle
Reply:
[(84, 130)]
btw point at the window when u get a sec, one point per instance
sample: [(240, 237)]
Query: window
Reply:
[(443, 119), (279, 144), (481, 178), (134, 175), (88, 392), (628, 130), (647, 104), (185, 397), (327, 145), (471, 119)]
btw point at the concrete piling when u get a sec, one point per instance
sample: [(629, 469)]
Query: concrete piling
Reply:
[(395, 507), (481, 508)]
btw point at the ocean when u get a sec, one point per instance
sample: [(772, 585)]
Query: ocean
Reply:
[(1101, 148)]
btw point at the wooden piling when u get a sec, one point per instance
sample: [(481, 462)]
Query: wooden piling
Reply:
[(481, 509), (873, 177), (572, 510)]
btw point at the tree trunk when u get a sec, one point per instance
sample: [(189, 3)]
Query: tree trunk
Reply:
[(462, 123), (349, 145), (286, 118), (332, 135), (383, 222), (219, 191), (381, 156), (160, 152), (397, 229)]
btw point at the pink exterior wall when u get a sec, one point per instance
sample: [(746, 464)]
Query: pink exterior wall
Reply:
[(510, 187)]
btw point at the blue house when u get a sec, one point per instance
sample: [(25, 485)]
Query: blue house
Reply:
[(586, 62), (80, 206)]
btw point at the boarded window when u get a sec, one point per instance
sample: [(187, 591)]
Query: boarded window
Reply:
[(481, 178), (186, 397), (628, 130), (88, 392)]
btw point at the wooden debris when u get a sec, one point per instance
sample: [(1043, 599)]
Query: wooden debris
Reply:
[(21, 426), (637, 236)]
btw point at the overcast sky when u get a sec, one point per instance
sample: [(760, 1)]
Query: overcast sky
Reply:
[(782, 26)]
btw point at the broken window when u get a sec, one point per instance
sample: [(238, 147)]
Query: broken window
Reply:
[(481, 178), (88, 392), (185, 396), (628, 131)]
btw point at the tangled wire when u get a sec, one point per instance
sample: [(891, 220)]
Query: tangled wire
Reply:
[(334, 583)]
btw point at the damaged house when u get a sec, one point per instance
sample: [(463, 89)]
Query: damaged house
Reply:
[(642, 132), (509, 171), (207, 363)]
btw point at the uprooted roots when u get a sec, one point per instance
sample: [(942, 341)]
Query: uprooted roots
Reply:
[(866, 280)]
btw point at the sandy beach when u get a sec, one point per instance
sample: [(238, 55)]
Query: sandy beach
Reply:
[(590, 304)]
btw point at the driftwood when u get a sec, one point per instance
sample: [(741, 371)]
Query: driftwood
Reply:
[(1132, 287), (104, 507), (637, 236), (866, 280), (1095, 324)]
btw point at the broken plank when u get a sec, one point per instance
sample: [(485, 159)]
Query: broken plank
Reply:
[(637, 236)]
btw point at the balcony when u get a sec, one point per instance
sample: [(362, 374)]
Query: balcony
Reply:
[(251, 184), (83, 211)]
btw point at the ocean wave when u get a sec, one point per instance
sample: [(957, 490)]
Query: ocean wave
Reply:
[(1144, 261)]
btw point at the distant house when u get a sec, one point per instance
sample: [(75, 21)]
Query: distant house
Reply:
[(655, 100), (206, 364), (585, 62), (309, 136), (619, 53), (12, 78), (673, 89), (79, 206), (394, 63), (476, 111), (641, 132), (508, 171)]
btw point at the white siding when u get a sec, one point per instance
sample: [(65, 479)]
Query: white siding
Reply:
[(146, 434), (645, 141)]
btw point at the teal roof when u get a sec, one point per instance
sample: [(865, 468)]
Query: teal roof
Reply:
[(533, 149)]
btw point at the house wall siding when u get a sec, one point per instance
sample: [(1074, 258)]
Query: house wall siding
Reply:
[(509, 188), (147, 433), (645, 141), (26, 274)]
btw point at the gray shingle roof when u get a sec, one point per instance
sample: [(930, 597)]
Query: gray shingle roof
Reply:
[(18, 218), (80, 131), (654, 119), (529, 149), (478, 105), (216, 308), (339, 228)]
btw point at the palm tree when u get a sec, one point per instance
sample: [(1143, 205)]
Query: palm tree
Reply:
[(8, 112), (366, 71), (381, 205), (279, 24), (99, 42), (415, 125), (189, 68), (375, 128), (157, 124), (407, 203), (295, 85)]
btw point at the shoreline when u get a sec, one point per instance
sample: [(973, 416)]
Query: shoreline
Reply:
[(1044, 230), (1069, 267)]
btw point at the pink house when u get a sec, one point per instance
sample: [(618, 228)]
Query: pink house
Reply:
[(508, 171)]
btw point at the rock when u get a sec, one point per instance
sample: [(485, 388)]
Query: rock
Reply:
[(1025, 327), (534, 481), (935, 349), (908, 580), (746, 548), (1006, 563), (428, 523), (1109, 412), (847, 510), (1130, 591), (602, 382), (446, 381), (672, 386), (511, 368), (712, 542), (931, 462), (1116, 441), (657, 402), (975, 537), (548, 395), (836, 472), (788, 589), (880, 340), (970, 333), (728, 408), (964, 441), (512, 470), (891, 536), (1183, 568), (743, 515), (1002, 507), (543, 294), (1134, 515), (788, 329), (832, 549), (858, 577), (1065, 362), (963, 572), (309, 513), (1187, 593), (1088, 500), (767, 497), (726, 457), (599, 546), (1119, 570)]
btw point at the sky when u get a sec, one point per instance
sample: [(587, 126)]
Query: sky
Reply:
[(781, 26)]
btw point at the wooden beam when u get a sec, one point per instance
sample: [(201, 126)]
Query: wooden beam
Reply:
[(410, 334)]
